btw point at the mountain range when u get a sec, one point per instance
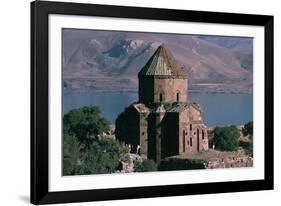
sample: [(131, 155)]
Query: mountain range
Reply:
[(107, 60)]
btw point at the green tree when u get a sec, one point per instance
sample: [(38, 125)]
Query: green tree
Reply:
[(71, 155), (226, 138), (145, 166), (83, 153), (248, 129), (85, 123), (248, 147), (103, 156)]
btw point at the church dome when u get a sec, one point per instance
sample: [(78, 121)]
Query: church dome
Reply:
[(162, 63)]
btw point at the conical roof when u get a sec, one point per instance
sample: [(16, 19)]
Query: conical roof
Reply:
[(162, 62)]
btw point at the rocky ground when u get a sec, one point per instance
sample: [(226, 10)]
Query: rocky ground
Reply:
[(213, 159)]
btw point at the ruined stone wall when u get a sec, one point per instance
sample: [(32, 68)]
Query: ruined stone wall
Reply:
[(169, 88)]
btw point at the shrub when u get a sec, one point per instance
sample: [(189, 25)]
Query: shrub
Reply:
[(248, 147), (145, 166), (82, 152), (85, 123), (101, 157), (248, 129), (181, 164), (226, 138), (71, 154)]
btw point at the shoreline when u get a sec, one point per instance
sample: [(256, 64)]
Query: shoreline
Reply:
[(66, 90)]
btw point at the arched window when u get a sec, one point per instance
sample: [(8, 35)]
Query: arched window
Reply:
[(190, 127), (197, 133), (178, 97), (203, 135), (160, 97)]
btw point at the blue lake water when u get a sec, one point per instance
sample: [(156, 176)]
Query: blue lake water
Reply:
[(218, 108)]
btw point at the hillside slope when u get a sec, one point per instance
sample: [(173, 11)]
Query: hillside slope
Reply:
[(103, 60)]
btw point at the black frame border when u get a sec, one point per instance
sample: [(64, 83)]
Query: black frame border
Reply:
[(39, 102)]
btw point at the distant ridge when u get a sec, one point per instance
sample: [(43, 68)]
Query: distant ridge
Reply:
[(99, 59)]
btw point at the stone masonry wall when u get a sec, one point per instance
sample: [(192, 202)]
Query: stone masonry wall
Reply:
[(193, 136), (169, 88)]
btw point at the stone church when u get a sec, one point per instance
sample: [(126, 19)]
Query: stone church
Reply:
[(163, 122)]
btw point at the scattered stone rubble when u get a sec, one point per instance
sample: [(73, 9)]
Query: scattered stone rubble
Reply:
[(126, 163), (244, 161), (213, 159)]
